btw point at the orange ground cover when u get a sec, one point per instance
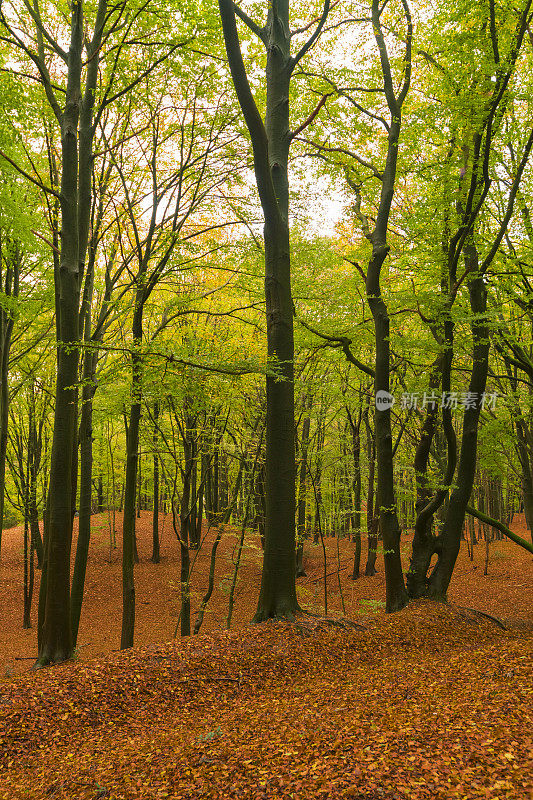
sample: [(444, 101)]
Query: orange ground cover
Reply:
[(505, 592), (433, 703)]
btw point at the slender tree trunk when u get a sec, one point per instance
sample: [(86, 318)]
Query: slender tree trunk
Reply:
[(9, 284), (450, 538), (396, 594), (86, 470), (302, 492), (372, 518), (355, 426), (155, 516), (132, 455), (28, 551), (185, 613), (525, 455)]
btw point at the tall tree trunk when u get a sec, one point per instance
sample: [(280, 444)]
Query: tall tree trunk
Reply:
[(100, 494), (56, 638), (424, 540), (525, 456), (185, 513), (396, 594), (302, 492), (450, 537), (28, 548), (86, 471), (10, 258), (270, 143), (77, 134), (372, 518), (156, 558), (132, 455), (355, 426)]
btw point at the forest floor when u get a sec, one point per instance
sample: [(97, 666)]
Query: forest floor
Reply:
[(434, 702)]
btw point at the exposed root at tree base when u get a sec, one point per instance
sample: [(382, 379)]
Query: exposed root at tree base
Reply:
[(484, 614)]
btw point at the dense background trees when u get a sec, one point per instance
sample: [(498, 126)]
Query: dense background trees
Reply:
[(221, 235)]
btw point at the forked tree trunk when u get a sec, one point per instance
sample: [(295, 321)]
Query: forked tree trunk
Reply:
[(270, 143), (77, 134)]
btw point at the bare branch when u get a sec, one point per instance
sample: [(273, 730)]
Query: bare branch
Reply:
[(28, 177), (344, 151), (312, 116), (407, 67), (312, 39), (340, 341)]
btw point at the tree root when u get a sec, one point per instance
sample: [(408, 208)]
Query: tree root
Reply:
[(308, 626), (475, 611)]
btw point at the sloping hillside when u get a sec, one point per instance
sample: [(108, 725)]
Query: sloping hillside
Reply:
[(435, 702)]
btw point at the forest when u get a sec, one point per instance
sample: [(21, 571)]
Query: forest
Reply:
[(266, 402)]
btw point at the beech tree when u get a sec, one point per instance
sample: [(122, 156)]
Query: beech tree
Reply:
[(76, 111), (271, 139)]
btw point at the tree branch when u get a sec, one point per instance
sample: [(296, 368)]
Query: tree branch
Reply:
[(312, 39), (343, 342), (248, 21), (28, 177), (500, 527), (312, 116), (249, 108)]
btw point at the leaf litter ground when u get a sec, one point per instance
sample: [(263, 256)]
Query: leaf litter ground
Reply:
[(434, 702)]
